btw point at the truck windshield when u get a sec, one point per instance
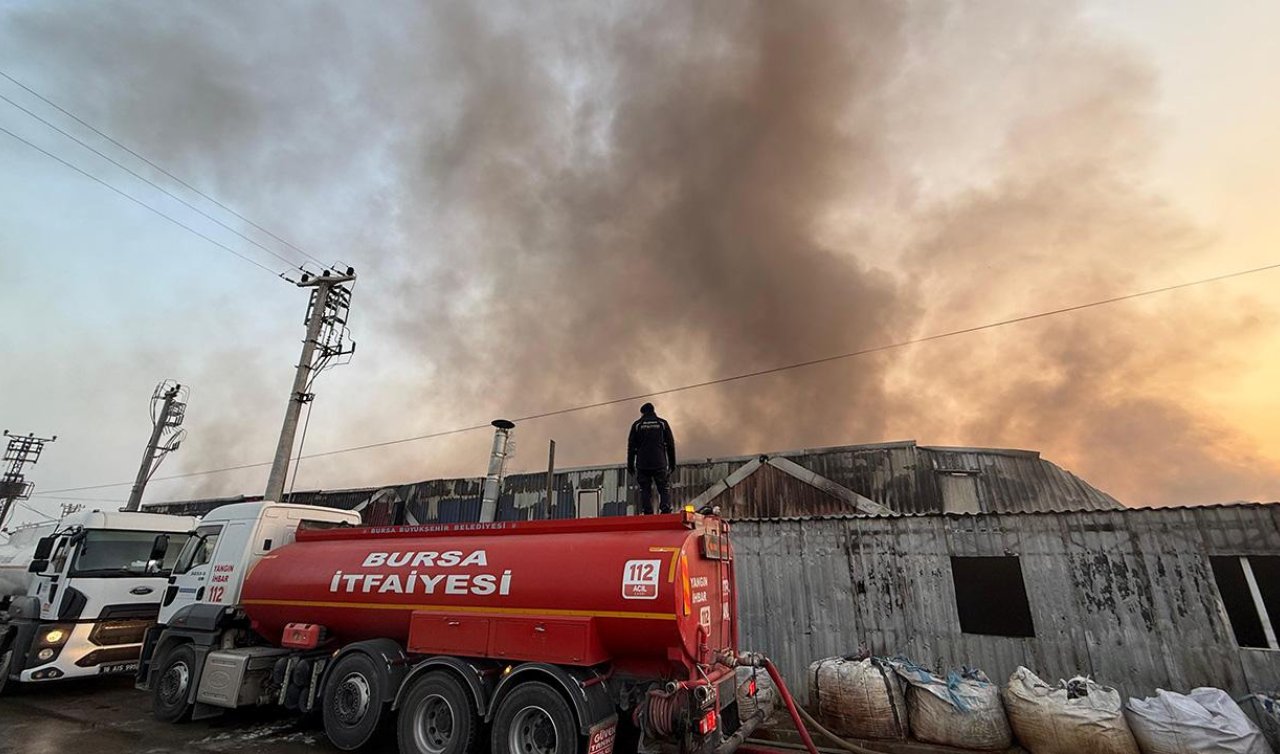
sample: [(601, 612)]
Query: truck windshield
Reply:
[(105, 552), (198, 549)]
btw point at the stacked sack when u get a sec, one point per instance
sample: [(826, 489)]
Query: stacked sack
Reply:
[(1075, 716), (858, 697), (763, 700), (1206, 720), (1267, 711), (963, 710)]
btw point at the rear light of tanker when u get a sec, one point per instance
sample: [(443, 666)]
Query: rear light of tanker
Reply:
[(708, 722), (751, 687)]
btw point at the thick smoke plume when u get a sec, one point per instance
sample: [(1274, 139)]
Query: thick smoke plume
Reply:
[(559, 205)]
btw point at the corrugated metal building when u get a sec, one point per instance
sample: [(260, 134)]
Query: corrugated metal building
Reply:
[(951, 556), (1139, 599), (899, 477)]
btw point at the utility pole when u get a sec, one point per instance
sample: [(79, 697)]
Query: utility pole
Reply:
[(326, 339), (168, 410), (22, 450)]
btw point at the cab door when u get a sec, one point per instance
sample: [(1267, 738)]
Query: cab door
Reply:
[(191, 571), (227, 566), (48, 584)]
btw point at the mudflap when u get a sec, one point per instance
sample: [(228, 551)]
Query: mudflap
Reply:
[(602, 735)]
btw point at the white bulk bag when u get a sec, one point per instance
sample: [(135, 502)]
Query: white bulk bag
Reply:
[(765, 698), (1206, 721), (1266, 709), (963, 711), (858, 698), (1071, 717)]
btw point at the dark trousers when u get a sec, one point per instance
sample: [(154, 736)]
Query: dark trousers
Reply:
[(646, 479)]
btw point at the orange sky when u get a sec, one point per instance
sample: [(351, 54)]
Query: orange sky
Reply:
[(967, 165)]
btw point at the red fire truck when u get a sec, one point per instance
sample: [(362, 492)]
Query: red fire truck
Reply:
[(545, 637)]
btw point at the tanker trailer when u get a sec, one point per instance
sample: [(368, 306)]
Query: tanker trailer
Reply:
[(543, 637)]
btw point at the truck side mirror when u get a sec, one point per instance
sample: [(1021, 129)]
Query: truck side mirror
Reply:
[(44, 547), (159, 546), (40, 558)]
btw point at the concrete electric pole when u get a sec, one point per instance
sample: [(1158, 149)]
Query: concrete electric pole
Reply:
[(326, 339), (168, 409), (22, 450)]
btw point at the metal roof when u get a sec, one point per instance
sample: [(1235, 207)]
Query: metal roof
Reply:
[(901, 476)]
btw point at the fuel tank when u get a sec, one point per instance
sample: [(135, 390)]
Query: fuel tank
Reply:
[(633, 590)]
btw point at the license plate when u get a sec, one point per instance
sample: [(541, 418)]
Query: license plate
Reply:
[(118, 667)]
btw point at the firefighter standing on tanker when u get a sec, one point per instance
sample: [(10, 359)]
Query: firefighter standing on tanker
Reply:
[(651, 457)]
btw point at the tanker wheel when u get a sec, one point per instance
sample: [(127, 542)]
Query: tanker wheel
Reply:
[(535, 719), (172, 688), (354, 703), (436, 717)]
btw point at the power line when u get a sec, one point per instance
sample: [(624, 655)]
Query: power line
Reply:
[(141, 203), (86, 499), (39, 512), (89, 126), (732, 378), (146, 180)]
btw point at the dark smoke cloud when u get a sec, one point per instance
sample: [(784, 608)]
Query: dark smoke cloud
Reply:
[(661, 220), (557, 205)]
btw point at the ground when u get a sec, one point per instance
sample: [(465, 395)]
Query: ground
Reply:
[(109, 716)]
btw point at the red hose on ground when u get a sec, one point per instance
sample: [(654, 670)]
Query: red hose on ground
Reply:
[(791, 706)]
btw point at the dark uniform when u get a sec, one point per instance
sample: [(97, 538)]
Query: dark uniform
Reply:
[(651, 456)]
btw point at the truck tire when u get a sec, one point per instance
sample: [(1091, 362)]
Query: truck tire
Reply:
[(354, 702), (436, 717), (535, 719), (172, 688), (6, 662)]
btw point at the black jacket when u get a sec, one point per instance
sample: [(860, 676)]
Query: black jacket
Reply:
[(650, 446)]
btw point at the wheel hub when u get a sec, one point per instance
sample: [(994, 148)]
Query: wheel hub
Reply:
[(173, 684), (351, 701), (533, 732), (434, 728)]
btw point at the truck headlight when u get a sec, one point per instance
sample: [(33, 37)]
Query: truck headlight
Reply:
[(54, 636), (45, 654)]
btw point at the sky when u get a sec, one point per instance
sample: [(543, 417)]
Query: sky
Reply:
[(563, 205)]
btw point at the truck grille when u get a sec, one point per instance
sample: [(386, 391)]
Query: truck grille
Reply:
[(111, 633)]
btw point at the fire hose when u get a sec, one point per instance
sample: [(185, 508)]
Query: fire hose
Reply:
[(799, 717), (661, 712)]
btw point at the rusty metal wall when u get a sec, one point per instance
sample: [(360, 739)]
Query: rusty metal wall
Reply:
[(1124, 596)]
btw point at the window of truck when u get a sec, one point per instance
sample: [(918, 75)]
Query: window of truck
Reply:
[(58, 562), (108, 552), (198, 549)]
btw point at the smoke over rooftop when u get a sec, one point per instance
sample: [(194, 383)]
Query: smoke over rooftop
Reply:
[(557, 205)]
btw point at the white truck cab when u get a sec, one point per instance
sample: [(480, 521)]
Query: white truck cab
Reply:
[(228, 541), (93, 587), (205, 588)]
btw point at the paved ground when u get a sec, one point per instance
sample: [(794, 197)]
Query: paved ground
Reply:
[(108, 716)]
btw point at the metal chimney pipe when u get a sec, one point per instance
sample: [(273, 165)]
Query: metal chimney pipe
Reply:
[(497, 458)]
